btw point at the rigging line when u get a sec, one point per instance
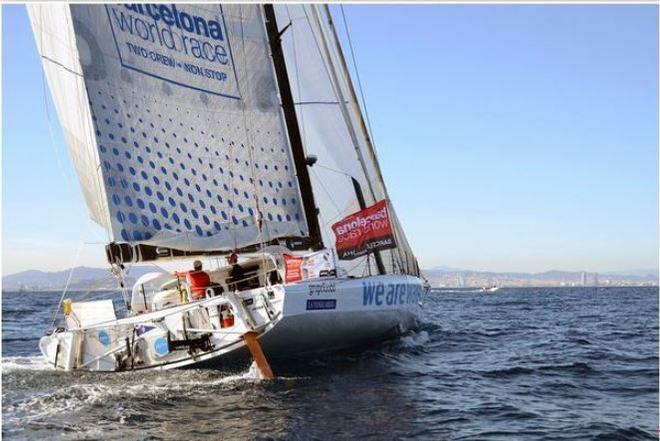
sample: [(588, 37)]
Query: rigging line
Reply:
[(357, 73), (337, 88), (258, 216), (229, 177), (333, 220), (365, 130), (361, 261), (316, 43), (295, 64), (66, 286), (248, 141), (94, 286), (334, 170), (320, 53), (62, 66), (53, 145), (327, 192), (307, 103)]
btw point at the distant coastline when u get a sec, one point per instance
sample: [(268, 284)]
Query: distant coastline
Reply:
[(99, 279), (456, 278)]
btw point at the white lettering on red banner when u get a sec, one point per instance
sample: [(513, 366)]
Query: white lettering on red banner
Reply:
[(364, 232)]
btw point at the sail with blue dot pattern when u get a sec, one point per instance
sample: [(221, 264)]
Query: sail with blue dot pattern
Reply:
[(187, 132)]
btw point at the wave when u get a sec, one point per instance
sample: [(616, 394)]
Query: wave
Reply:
[(34, 363), (78, 391), (414, 340), (577, 367), (508, 372)]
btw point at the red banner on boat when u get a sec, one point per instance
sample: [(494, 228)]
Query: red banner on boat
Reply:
[(309, 266), (364, 232), (292, 268)]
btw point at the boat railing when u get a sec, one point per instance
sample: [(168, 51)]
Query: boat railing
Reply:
[(158, 315), (229, 298)]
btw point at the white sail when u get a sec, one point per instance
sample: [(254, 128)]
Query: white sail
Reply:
[(332, 128), (56, 43), (172, 117)]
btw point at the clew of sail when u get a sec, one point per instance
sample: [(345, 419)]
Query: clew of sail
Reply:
[(334, 131), (172, 118)]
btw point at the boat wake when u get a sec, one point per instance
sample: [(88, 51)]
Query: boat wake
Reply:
[(51, 395), (414, 340), (35, 363)]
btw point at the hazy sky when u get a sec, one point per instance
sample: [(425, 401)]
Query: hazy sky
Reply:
[(511, 137)]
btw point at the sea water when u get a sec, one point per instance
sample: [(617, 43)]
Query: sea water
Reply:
[(526, 364)]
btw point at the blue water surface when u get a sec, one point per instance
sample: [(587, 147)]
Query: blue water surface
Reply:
[(521, 364)]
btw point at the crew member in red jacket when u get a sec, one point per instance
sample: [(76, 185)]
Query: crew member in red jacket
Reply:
[(198, 281)]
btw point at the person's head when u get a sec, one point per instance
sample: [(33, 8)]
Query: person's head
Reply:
[(232, 259), (197, 265)]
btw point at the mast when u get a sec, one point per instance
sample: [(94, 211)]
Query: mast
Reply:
[(363, 205), (289, 110)]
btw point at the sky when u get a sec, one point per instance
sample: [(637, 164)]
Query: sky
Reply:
[(511, 137)]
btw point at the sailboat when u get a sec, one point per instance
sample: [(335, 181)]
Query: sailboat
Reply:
[(214, 130)]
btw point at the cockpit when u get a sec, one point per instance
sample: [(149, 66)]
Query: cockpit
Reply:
[(161, 289)]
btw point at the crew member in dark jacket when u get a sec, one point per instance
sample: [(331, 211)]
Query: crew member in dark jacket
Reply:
[(236, 274)]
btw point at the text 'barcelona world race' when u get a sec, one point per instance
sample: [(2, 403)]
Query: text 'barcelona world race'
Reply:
[(173, 29), (187, 45), (390, 293)]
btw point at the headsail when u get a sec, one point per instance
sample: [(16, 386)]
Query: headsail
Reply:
[(333, 129), (172, 116)]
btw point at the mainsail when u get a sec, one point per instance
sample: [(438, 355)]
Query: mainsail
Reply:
[(174, 118)]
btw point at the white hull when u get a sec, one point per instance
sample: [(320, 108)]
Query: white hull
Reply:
[(357, 319), (319, 315)]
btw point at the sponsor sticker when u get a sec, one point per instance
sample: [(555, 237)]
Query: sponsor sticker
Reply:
[(292, 268), (322, 288), (160, 346), (104, 337), (317, 304), (309, 266)]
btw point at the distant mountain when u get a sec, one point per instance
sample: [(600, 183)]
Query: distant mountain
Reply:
[(444, 269), (641, 272), (86, 278), (443, 277), (82, 278)]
